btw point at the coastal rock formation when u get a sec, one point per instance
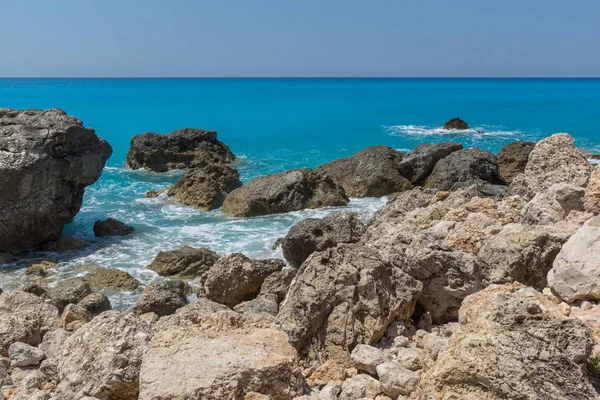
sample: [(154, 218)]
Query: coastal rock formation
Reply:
[(205, 188), (182, 148), (70, 291), (513, 158), (183, 262), (161, 298), (95, 304), (554, 205), (419, 162), (372, 172), (464, 168), (111, 227), (278, 283), (457, 124), (592, 195), (110, 278), (47, 159), (318, 234), (287, 191), (552, 160)]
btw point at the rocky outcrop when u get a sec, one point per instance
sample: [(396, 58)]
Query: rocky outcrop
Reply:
[(554, 205), (318, 234), (513, 158), (592, 195), (111, 227), (183, 148), (419, 162), (100, 278), (95, 304), (456, 124), (183, 262), (47, 159), (552, 160), (288, 191), (237, 278), (278, 283), (70, 291), (161, 298), (463, 168)]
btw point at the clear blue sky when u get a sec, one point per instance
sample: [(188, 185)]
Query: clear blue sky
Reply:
[(107, 38)]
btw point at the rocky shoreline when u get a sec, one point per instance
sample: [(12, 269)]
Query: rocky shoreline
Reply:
[(479, 279)]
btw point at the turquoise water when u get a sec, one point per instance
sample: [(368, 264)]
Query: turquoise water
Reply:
[(274, 125)]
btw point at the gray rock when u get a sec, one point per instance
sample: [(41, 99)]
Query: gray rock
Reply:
[(34, 289), (397, 380), (112, 227), (24, 355), (409, 358), (263, 303), (184, 262), (361, 386), (162, 298), (367, 358), (95, 303), (74, 317), (419, 162), (513, 158), (279, 283), (456, 124), (71, 291)]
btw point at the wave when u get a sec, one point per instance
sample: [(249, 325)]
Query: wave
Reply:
[(420, 130)]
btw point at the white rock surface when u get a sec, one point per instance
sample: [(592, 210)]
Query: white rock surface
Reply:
[(24, 355)]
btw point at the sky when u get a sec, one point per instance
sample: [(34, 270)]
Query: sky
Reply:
[(303, 38)]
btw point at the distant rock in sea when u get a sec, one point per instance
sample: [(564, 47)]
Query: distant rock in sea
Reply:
[(457, 124)]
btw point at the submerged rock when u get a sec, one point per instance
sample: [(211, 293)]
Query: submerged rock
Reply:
[(47, 159), (457, 124), (183, 148), (372, 172), (293, 190), (184, 262), (112, 227), (419, 162), (513, 158)]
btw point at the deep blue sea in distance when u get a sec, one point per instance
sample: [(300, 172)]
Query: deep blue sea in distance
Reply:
[(274, 125)]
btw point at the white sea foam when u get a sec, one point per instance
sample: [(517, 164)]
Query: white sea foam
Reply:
[(417, 130)]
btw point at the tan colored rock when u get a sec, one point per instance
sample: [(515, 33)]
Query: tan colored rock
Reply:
[(279, 282), (110, 278), (162, 298), (329, 371), (184, 262), (592, 195), (360, 386), (74, 317), (367, 358), (42, 269), (397, 380)]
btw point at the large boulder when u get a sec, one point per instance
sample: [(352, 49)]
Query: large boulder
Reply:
[(419, 162), (182, 148), (512, 344), (513, 158), (100, 278), (47, 160), (464, 168), (456, 124), (343, 297), (161, 298), (205, 188), (372, 172), (293, 190), (552, 160), (318, 234), (278, 283), (237, 278), (103, 358), (183, 262)]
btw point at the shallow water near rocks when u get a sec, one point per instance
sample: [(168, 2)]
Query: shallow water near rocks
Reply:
[(274, 125)]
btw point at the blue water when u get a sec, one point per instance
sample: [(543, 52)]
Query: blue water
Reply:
[(274, 125)]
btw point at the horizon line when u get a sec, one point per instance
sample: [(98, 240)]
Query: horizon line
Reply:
[(300, 77)]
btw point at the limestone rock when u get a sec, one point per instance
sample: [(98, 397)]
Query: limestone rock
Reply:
[(513, 158), (397, 380), (263, 303), (47, 160), (287, 191), (95, 303), (35, 289), (367, 358), (318, 234), (162, 298), (359, 387), (592, 195), (53, 342), (372, 172), (409, 358), (41, 269), (111, 227), (183, 148), (279, 283), (419, 162), (110, 278), (24, 355), (456, 124), (70, 291), (184, 262), (74, 317), (554, 205)]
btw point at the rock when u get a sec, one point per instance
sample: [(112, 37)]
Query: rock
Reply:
[(456, 124), (183, 148), (463, 168), (397, 380), (198, 309), (110, 347), (237, 278), (33, 380), (552, 160), (111, 227), (48, 159), (6, 258), (100, 278), (24, 355), (329, 371), (360, 386), (34, 289), (342, 297), (287, 191), (162, 298), (554, 205), (367, 358), (71, 291), (65, 243), (504, 332), (95, 304), (279, 283), (513, 158), (409, 358), (418, 163), (53, 342), (263, 303), (575, 274), (372, 172), (74, 317), (256, 396), (592, 194), (205, 188), (318, 234), (184, 262), (42, 269)]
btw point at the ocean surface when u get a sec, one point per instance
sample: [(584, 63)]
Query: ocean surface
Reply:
[(274, 125)]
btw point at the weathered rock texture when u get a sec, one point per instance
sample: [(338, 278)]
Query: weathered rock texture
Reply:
[(288, 191), (183, 148), (184, 262), (419, 162), (46, 160), (110, 278), (112, 227), (161, 298), (456, 123), (513, 158)]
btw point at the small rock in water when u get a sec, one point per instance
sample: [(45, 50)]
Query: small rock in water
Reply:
[(112, 227), (456, 124)]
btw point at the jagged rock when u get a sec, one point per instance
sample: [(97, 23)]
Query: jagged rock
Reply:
[(110, 278), (397, 380), (33, 380), (592, 195), (74, 317), (34, 289), (198, 309), (552, 160), (372, 172), (367, 358), (95, 303), (237, 278), (463, 168), (205, 188), (409, 358), (53, 342), (42, 269), (512, 159), (359, 387), (575, 274), (183, 148), (456, 124), (279, 283), (318, 234), (506, 331), (162, 298), (47, 160), (554, 205), (24, 355), (184, 262), (419, 162), (111, 227), (263, 303), (343, 297), (110, 347), (71, 291), (292, 190)]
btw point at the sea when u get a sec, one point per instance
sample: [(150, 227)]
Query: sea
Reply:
[(273, 125)]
